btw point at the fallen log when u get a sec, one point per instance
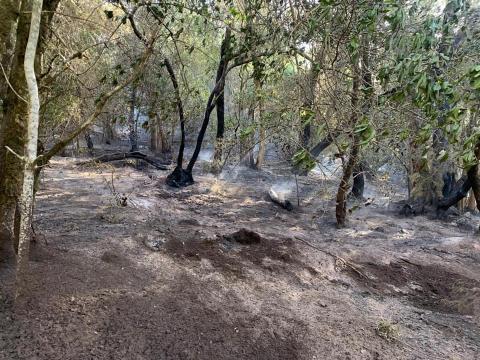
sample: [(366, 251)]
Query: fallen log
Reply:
[(156, 163), (280, 200)]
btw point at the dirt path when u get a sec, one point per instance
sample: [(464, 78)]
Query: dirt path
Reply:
[(161, 279)]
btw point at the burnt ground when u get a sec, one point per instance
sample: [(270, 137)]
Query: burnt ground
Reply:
[(170, 277)]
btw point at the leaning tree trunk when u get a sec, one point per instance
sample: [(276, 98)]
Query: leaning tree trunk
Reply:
[(181, 116), (26, 198), (341, 203)]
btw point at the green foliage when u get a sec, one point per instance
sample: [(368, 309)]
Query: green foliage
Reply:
[(303, 160), (365, 131)]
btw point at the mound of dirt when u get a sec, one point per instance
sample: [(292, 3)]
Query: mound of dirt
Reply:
[(244, 237), (235, 253)]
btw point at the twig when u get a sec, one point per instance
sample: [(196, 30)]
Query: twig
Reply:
[(22, 158), (346, 262), (10, 85)]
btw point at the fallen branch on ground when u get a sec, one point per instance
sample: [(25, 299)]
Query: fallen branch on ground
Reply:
[(158, 164), (336, 257)]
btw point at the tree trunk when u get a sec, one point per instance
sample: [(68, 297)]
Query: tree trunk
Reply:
[(108, 132), (261, 126), (220, 105), (181, 116), (180, 177), (308, 104), (132, 128), (26, 199), (358, 182), (471, 202), (89, 141), (14, 133), (9, 10), (153, 127), (475, 178), (13, 128), (341, 203), (247, 144)]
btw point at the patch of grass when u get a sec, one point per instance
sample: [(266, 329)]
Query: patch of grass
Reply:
[(387, 330)]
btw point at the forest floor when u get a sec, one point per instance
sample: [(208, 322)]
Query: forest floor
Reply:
[(160, 278)]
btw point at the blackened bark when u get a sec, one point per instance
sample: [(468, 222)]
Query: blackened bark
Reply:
[(181, 115), (180, 177), (358, 186), (326, 142), (203, 129), (448, 183), (306, 135), (457, 193), (220, 102), (158, 164), (89, 141)]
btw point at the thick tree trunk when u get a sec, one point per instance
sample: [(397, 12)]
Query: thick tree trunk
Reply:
[(132, 126), (13, 128), (26, 199), (14, 131)]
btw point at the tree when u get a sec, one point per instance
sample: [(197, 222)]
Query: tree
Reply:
[(26, 196)]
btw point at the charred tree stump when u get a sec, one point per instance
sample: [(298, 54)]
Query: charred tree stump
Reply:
[(280, 200), (179, 178)]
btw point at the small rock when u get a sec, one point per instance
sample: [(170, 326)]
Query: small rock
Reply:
[(154, 244)]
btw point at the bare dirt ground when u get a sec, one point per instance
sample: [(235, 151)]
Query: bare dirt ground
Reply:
[(164, 278)]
